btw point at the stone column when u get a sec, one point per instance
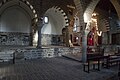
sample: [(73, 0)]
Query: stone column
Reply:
[(110, 38), (84, 46), (67, 36), (39, 34), (31, 39)]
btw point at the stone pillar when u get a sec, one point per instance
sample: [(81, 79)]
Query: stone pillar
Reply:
[(31, 39), (84, 46), (67, 37), (39, 34), (110, 38)]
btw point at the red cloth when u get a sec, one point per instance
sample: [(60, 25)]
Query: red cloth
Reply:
[(90, 41)]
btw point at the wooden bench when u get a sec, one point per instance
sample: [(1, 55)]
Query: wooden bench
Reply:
[(114, 59), (91, 59), (87, 64), (94, 59)]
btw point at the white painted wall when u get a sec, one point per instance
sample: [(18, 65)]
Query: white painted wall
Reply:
[(15, 19), (56, 22), (50, 27)]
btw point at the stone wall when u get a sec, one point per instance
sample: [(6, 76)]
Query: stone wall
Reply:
[(8, 38), (34, 53), (110, 49), (50, 39)]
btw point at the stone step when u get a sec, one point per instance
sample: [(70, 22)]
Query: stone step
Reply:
[(73, 57)]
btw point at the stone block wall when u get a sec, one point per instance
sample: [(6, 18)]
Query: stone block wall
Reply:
[(110, 49), (34, 53), (6, 55), (8, 38), (49, 39)]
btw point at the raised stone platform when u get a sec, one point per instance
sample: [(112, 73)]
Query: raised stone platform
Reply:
[(28, 52)]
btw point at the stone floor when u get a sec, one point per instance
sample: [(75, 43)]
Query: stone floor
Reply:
[(76, 57), (52, 69)]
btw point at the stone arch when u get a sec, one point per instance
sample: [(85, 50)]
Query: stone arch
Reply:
[(22, 3), (53, 29), (88, 12), (26, 8), (87, 16), (82, 26), (59, 18), (116, 6), (80, 11), (90, 9)]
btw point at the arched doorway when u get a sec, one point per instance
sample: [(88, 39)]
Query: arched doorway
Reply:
[(52, 32), (104, 16), (88, 17)]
